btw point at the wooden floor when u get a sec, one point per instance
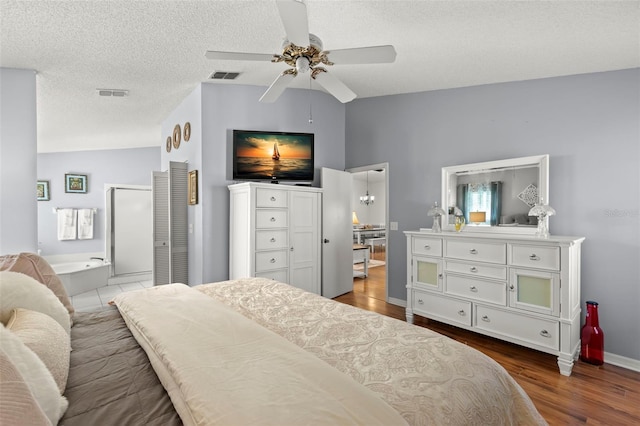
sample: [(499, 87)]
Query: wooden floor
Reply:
[(592, 395)]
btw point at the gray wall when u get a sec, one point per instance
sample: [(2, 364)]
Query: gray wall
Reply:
[(589, 124), (115, 166), (17, 161), (218, 109)]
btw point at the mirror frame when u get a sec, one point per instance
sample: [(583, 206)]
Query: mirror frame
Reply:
[(449, 173)]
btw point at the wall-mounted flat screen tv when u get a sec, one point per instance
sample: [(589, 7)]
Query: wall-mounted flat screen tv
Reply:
[(272, 156)]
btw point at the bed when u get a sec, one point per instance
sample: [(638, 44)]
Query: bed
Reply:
[(256, 351)]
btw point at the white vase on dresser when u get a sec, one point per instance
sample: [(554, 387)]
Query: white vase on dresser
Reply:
[(518, 288), (274, 233)]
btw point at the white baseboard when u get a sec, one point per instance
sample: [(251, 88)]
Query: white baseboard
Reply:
[(397, 302), (621, 361)]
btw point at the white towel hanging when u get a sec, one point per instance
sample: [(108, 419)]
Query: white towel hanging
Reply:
[(85, 224), (67, 219)]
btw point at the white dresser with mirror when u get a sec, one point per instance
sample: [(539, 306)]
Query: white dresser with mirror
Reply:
[(498, 278)]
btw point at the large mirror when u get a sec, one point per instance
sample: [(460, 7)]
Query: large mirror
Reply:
[(495, 196)]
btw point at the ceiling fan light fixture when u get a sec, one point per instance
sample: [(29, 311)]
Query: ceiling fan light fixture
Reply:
[(302, 64)]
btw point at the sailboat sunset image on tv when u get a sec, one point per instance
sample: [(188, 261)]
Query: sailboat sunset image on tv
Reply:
[(272, 156)]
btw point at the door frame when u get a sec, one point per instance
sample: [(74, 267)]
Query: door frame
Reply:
[(384, 166)]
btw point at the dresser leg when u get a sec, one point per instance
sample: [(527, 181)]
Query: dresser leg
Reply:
[(565, 363), (409, 316)]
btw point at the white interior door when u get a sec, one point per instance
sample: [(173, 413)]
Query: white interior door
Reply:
[(304, 237), (170, 237), (337, 244), (161, 234), (178, 222)]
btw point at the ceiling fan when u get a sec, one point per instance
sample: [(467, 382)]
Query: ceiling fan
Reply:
[(303, 52)]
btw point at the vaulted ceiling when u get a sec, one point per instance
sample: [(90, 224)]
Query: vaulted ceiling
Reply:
[(155, 50)]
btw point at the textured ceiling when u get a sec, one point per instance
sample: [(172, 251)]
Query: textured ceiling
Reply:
[(155, 49)]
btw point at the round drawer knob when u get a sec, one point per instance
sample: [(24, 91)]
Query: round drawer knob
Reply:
[(273, 219), (473, 288), (273, 240), (485, 318), (545, 333), (273, 198), (427, 247), (272, 260), (420, 301), (461, 312), (534, 257), (473, 251), (473, 269)]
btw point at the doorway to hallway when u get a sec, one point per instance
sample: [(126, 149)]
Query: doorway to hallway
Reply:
[(369, 208)]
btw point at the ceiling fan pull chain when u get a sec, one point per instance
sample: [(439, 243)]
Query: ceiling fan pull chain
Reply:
[(310, 116)]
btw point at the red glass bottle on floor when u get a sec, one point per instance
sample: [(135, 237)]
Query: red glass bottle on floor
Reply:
[(592, 344)]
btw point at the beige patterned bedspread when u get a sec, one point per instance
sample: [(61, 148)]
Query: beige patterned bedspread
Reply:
[(428, 378)]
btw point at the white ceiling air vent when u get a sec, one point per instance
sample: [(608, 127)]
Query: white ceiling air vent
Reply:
[(224, 75), (113, 92)]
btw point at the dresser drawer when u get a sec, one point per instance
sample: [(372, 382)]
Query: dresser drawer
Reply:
[(433, 306), (477, 251), (537, 331), (271, 197), (271, 239), (487, 291), (427, 246), (478, 270), (279, 275), (270, 260), (271, 218), (540, 257)]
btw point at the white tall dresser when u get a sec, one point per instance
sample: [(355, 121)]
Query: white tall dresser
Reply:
[(275, 233), (518, 288)]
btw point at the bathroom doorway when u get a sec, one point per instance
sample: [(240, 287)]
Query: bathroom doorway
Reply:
[(129, 237)]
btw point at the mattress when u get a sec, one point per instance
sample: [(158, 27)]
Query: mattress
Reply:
[(428, 378)]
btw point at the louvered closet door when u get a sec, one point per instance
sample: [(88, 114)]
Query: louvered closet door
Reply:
[(179, 237), (161, 243)]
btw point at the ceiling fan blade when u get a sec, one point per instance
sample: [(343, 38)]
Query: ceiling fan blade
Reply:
[(238, 56), (363, 55), (294, 18), (334, 86), (277, 87)]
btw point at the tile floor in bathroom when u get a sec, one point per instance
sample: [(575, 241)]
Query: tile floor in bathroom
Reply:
[(101, 296)]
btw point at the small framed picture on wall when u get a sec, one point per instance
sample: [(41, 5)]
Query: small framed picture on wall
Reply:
[(43, 190), (193, 187), (75, 183)]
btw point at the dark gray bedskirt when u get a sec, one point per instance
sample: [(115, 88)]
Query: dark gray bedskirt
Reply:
[(111, 381)]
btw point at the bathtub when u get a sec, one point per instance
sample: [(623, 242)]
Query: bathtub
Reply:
[(80, 276)]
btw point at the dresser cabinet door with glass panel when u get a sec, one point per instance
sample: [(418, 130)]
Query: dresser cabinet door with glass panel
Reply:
[(535, 291), (427, 273)]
